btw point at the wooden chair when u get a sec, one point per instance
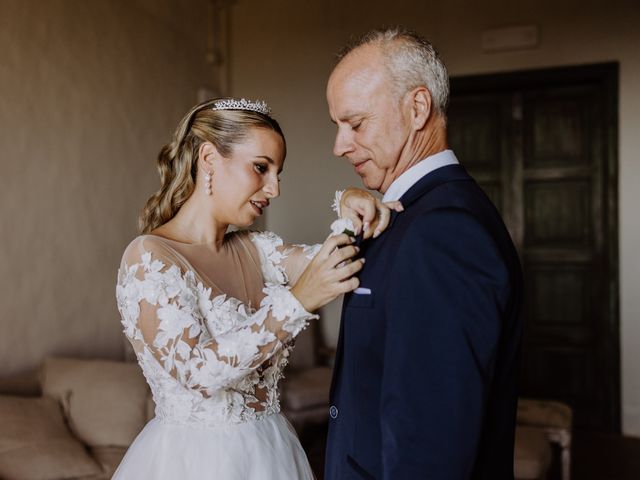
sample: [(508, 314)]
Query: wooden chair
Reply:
[(553, 418), (532, 454)]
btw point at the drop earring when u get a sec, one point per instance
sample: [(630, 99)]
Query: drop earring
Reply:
[(207, 182)]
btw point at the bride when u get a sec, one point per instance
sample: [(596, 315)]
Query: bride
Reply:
[(212, 315)]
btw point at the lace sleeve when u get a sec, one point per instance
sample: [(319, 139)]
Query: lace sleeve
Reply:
[(205, 343), (282, 263)]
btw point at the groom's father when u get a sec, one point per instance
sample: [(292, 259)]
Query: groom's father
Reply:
[(425, 377)]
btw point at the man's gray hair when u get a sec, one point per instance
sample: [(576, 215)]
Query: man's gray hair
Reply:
[(411, 61)]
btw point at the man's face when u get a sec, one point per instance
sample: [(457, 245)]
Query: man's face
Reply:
[(373, 127)]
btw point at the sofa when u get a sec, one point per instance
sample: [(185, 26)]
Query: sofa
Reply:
[(73, 419)]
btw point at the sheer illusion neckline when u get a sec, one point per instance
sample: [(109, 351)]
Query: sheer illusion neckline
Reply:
[(234, 242), (227, 237)]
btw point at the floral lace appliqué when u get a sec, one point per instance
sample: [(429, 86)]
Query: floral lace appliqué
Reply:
[(209, 354)]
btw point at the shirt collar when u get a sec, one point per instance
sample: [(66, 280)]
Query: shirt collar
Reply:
[(409, 178)]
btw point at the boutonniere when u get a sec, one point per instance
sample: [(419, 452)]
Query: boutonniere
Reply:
[(343, 225)]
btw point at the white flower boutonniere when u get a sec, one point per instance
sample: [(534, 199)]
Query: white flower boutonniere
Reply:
[(343, 225), (337, 198)]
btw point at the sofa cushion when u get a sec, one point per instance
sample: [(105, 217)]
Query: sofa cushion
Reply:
[(109, 458), (105, 401), (35, 443), (532, 453)]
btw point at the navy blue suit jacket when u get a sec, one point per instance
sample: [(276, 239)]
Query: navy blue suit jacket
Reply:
[(424, 383)]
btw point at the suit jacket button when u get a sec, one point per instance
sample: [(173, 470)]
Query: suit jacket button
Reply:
[(333, 412)]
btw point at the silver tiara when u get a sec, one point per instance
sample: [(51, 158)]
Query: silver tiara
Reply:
[(259, 106)]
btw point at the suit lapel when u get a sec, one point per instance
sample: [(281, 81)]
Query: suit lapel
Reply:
[(337, 363)]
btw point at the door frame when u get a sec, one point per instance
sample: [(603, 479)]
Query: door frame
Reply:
[(607, 76)]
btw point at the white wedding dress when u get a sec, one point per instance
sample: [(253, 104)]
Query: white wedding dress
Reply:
[(212, 330)]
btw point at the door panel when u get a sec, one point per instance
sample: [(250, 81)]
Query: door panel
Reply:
[(475, 126), (557, 127), (559, 296), (557, 213), (541, 146)]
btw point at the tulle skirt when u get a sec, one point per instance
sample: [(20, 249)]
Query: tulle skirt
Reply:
[(264, 449)]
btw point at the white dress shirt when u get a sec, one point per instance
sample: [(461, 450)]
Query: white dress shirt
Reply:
[(409, 178)]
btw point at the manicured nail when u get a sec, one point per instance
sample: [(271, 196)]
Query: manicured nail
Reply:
[(353, 240), (362, 259), (376, 233), (357, 249), (366, 227)]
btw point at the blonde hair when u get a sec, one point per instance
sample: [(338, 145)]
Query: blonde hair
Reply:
[(177, 161)]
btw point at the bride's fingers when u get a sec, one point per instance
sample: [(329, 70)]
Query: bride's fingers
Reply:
[(368, 210), (355, 219), (349, 270), (384, 216), (368, 214), (383, 220), (332, 243), (380, 223), (342, 255), (363, 204), (395, 205), (348, 285)]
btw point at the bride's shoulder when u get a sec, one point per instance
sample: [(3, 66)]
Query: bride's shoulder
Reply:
[(145, 248), (265, 240)]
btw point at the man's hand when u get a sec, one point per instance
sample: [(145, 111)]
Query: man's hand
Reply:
[(368, 214)]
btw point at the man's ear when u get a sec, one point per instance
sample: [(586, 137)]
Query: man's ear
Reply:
[(208, 155), (421, 104)]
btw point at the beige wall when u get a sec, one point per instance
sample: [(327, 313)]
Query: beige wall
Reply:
[(89, 91), (282, 51)]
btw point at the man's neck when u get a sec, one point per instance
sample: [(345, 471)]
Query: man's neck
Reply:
[(409, 178), (422, 144)]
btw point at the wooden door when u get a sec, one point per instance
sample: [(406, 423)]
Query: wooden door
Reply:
[(542, 144)]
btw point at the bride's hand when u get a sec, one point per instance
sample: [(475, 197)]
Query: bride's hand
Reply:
[(329, 274), (368, 213)]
